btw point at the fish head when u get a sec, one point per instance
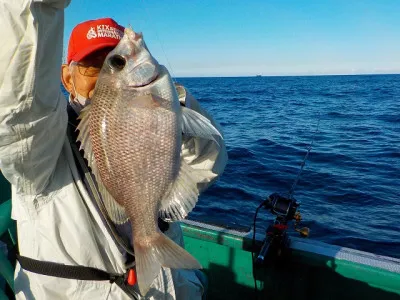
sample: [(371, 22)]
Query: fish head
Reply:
[(130, 63), (131, 67)]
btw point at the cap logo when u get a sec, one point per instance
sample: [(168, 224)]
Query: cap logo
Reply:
[(91, 34), (104, 31)]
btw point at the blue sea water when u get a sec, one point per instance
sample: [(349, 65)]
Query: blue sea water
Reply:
[(350, 186)]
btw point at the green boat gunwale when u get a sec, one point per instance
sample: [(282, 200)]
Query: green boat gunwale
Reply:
[(375, 271)]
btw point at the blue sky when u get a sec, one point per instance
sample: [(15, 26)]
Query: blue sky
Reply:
[(276, 37)]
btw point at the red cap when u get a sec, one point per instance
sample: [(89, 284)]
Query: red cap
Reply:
[(93, 35)]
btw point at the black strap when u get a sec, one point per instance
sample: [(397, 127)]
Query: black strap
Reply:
[(65, 271), (75, 272)]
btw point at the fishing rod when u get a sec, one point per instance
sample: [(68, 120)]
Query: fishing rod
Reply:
[(275, 245), (291, 191)]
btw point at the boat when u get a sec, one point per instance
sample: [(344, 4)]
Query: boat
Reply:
[(306, 269), (314, 270)]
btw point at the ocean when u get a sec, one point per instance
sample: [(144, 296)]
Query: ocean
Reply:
[(349, 188)]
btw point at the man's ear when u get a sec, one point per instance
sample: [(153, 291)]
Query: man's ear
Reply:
[(66, 78)]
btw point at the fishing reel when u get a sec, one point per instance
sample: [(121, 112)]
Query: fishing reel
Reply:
[(276, 242)]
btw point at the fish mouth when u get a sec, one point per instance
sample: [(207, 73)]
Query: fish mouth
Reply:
[(144, 74), (132, 35)]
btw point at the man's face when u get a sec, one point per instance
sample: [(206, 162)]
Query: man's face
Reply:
[(83, 74)]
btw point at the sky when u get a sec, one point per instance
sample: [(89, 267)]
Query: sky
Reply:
[(268, 37)]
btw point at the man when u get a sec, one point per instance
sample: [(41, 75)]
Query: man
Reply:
[(58, 210)]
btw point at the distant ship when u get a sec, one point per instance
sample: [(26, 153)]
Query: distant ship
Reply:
[(259, 75)]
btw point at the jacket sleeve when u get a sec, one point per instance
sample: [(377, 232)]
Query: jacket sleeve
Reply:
[(33, 117), (201, 153)]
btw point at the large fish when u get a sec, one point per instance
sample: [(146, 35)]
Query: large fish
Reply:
[(132, 137)]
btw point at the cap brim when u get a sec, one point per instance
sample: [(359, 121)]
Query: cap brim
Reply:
[(91, 49)]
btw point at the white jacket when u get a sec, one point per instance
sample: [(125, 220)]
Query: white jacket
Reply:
[(56, 219)]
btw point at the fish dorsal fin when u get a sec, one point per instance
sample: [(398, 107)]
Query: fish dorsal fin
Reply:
[(115, 211), (195, 124), (183, 194)]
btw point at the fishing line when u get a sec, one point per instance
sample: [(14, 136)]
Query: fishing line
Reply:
[(161, 44)]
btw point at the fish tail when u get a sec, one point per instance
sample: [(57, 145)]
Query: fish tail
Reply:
[(162, 251)]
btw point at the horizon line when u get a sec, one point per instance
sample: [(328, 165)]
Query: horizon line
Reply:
[(288, 75)]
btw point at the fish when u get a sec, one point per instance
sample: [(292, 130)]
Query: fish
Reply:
[(131, 134)]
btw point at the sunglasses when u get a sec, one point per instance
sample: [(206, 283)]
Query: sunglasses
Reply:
[(91, 65)]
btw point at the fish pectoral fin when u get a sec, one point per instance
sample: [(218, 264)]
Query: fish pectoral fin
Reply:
[(162, 251), (203, 175), (195, 124), (115, 211), (182, 196)]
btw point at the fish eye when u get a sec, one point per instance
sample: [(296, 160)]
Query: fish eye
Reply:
[(117, 62)]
